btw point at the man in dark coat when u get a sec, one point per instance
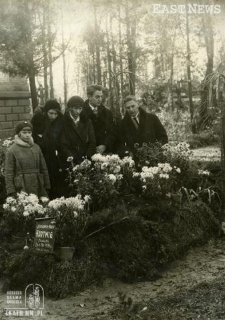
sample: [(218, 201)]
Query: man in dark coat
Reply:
[(78, 139), (102, 119), (138, 127)]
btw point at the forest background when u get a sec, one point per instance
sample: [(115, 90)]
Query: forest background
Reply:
[(170, 60)]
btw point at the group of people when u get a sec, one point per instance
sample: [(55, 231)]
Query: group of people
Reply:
[(37, 161)]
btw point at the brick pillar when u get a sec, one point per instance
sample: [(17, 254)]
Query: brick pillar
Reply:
[(14, 107)]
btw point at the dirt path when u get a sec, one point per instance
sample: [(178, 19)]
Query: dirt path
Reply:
[(201, 265)]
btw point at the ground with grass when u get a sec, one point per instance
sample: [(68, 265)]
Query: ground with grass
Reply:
[(190, 288)]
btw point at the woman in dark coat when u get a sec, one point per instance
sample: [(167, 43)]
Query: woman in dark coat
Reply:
[(25, 167), (47, 131), (78, 139)]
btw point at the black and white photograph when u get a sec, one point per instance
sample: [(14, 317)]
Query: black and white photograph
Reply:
[(112, 159)]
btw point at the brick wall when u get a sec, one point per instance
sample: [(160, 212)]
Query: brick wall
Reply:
[(14, 107)]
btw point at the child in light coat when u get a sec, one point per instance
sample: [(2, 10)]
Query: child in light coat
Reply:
[(25, 167)]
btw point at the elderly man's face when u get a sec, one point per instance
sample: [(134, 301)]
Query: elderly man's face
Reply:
[(131, 108)]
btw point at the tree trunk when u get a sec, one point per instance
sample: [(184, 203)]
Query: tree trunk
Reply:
[(93, 68), (97, 49), (131, 34), (31, 68), (45, 62), (120, 53), (109, 64), (115, 96), (172, 71), (33, 90), (205, 95), (221, 103), (189, 70), (50, 57), (64, 60)]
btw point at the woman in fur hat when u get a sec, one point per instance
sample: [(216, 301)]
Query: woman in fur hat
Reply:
[(25, 167), (47, 132)]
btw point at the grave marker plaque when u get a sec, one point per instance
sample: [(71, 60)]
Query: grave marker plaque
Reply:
[(44, 235)]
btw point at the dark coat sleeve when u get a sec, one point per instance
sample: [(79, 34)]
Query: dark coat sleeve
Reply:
[(91, 140), (121, 147), (160, 131), (110, 131), (44, 170), (64, 147)]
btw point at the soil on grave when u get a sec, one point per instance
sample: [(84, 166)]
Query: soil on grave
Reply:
[(190, 288)]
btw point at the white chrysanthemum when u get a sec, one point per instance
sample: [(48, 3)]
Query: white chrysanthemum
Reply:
[(7, 142), (164, 175), (203, 172), (32, 198), (87, 198), (104, 165), (56, 203), (44, 199), (167, 168), (85, 164), (11, 200), (136, 174), (178, 170), (98, 157), (114, 158), (116, 169), (69, 159), (112, 177), (129, 161), (154, 170), (26, 213)]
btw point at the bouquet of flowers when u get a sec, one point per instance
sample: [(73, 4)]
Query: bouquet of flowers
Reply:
[(71, 215), (100, 178), (19, 212), (159, 182)]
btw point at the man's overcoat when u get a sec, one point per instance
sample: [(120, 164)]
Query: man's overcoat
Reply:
[(149, 130), (103, 125)]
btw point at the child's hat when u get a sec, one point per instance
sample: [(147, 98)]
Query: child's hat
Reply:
[(21, 125)]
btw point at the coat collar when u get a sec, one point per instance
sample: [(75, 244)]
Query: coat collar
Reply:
[(22, 143)]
